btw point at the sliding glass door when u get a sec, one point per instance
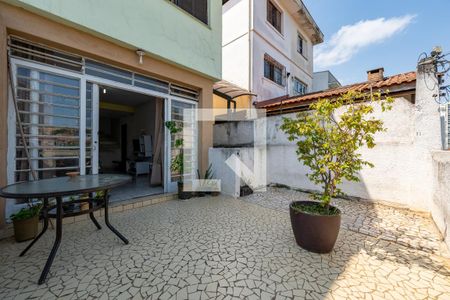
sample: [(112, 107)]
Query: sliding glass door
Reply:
[(184, 116)]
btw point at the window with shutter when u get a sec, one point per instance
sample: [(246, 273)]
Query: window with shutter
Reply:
[(274, 71), (300, 44), (274, 16)]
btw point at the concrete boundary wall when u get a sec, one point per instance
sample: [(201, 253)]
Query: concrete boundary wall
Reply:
[(440, 206), (395, 157)]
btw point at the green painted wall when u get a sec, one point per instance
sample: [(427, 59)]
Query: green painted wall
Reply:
[(157, 26)]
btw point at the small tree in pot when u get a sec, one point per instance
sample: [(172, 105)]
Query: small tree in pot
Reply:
[(177, 163), (328, 145)]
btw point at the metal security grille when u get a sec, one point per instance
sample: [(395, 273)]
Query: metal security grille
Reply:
[(115, 74), (23, 49), (89, 123), (183, 114), (49, 110)]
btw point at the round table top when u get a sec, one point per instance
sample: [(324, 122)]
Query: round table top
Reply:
[(63, 186)]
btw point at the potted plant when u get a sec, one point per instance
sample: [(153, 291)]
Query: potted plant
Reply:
[(84, 205), (328, 139), (177, 163), (206, 186), (25, 222)]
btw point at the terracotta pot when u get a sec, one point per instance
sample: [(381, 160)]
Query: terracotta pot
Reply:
[(183, 195), (72, 175), (25, 230), (315, 233)]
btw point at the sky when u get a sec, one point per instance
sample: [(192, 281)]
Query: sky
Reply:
[(361, 35)]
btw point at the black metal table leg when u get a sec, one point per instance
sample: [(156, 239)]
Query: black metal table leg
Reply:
[(106, 200), (44, 229), (51, 257), (91, 214)]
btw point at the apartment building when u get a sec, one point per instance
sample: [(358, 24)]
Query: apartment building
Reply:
[(268, 46)]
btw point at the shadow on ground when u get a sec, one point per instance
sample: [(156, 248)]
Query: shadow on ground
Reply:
[(382, 251), (220, 248)]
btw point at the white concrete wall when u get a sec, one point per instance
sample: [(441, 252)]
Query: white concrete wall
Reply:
[(392, 178), (230, 182), (247, 36), (237, 133), (397, 167), (324, 80), (236, 42), (320, 81), (440, 208)]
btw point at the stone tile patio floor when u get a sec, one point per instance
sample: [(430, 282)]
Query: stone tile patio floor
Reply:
[(225, 248)]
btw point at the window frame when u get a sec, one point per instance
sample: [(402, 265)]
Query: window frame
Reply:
[(207, 23), (299, 82), (269, 17), (303, 44), (271, 74)]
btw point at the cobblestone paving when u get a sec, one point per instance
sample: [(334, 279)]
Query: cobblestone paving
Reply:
[(408, 228), (218, 248)]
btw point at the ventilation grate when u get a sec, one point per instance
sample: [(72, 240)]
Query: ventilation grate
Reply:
[(183, 92)]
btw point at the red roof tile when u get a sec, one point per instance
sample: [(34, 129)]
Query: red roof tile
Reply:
[(364, 86)]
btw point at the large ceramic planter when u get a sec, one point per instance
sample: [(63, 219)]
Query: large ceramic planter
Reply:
[(25, 230), (315, 233)]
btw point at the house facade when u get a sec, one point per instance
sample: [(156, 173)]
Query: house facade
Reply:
[(88, 89), (268, 46)]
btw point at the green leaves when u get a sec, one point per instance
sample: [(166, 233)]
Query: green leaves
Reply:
[(177, 163), (27, 212), (329, 136), (172, 127), (179, 143)]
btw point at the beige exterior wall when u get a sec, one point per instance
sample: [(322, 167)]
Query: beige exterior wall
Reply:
[(14, 20), (244, 102), (241, 102), (219, 102)]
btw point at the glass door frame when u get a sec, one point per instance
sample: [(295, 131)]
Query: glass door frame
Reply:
[(12, 118), (95, 81), (171, 186)]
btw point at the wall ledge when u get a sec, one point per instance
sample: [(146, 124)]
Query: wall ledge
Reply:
[(441, 155)]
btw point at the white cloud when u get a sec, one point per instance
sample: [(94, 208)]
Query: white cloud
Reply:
[(350, 39)]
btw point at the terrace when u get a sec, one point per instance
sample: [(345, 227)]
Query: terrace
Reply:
[(220, 247)]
